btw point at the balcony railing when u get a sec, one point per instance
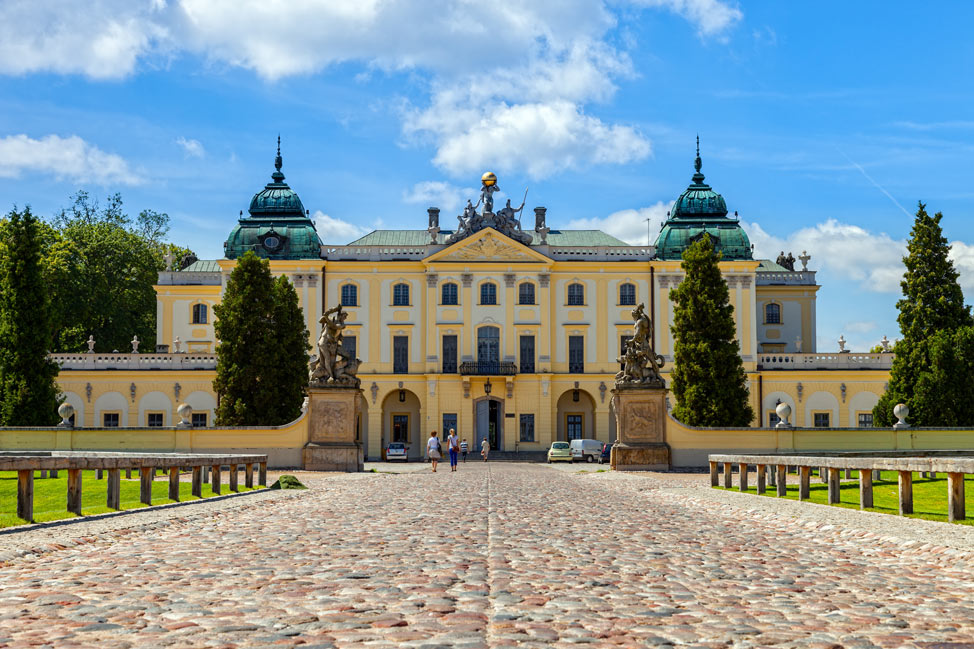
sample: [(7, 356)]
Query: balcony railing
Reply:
[(188, 361), (832, 361), (488, 368)]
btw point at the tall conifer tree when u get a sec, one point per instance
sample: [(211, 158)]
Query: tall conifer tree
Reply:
[(932, 308), (261, 370), (28, 377), (708, 377)]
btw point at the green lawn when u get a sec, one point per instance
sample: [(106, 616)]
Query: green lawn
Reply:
[(51, 494), (929, 496)]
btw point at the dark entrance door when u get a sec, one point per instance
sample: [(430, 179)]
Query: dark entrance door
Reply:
[(489, 424)]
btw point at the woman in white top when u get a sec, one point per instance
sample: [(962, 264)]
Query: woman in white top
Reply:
[(484, 449), (433, 449)]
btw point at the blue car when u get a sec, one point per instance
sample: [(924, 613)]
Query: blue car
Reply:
[(606, 453)]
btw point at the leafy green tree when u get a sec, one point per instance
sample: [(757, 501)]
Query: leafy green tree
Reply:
[(101, 266), (708, 377), (262, 358), (932, 307), (29, 394)]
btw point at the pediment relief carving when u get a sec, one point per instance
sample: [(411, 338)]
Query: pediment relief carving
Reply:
[(488, 248)]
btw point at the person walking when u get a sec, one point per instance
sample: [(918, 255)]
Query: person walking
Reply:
[(463, 450), (433, 449), (453, 445), (484, 449)]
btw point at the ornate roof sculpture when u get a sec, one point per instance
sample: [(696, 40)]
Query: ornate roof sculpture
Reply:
[(506, 220), (278, 226), (699, 210)]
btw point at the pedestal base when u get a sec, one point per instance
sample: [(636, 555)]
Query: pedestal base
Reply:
[(641, 429), (332, 457), (333, 421), (641, 457)]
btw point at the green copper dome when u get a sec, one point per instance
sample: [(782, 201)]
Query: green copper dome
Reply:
[(701, 210), (278, 226)]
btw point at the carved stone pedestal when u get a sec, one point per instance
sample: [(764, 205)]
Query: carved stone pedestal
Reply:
[(332, 418), (641, 429)]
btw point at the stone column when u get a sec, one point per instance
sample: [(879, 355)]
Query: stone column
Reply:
[(641, 429)]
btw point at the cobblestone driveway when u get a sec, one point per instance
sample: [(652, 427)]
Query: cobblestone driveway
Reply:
[(495, 555)]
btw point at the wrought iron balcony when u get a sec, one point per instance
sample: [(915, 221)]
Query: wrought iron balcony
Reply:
[(488, 368)]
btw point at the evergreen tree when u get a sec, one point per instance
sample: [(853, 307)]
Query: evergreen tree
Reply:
[(29, 393), (262, 358), (708, 377), (932, 304)]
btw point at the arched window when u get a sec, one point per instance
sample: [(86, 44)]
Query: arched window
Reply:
[(627, 294), (199, 314), (349, 295), (448, 294), (488, 293), (772, 314), (576, 295), (400, 295), (525, 293)]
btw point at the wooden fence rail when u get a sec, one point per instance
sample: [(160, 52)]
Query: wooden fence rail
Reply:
[(25, 464), (868, 465)]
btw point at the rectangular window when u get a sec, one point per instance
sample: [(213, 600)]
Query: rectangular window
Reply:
[(821, 419), (400, 295), (573, 426), (623, 340), (349, 295), (449, 354), (525, 293), (488, 293), (449, 421), (199, 419), (773, 419), (448, 295), (199, 314), (865, 420), (110, 419), (527, 355), (527, 428), (350, 346), (153, 419), (400, 428), (576, 295), (576, 354), (400, 354), (627, 295)]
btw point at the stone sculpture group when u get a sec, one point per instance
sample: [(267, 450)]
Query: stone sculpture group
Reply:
[(641, 363), (332, 365), (506, 220)]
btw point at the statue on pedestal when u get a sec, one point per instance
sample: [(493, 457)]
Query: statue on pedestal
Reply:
[(641, 363), (506, 220), (332, 366)]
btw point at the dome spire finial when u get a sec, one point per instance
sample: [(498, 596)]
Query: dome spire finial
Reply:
[(278, 163), (697, 164)]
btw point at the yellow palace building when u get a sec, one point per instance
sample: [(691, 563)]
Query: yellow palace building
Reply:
[(497, 329)]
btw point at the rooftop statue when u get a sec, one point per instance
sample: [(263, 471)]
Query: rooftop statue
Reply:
[(641, 363), (506, 220), (332, 366)]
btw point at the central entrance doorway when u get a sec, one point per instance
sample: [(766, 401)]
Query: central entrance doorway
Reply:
[(489, 422)]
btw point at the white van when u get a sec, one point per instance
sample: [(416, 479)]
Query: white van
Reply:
[(585, 449)]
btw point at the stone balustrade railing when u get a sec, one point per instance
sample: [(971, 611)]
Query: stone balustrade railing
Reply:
[(26, 463), (867, 464), (593, 253), (834, 361), (791, 278), (154, 361)]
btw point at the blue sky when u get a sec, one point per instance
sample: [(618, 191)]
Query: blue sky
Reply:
[(822, 123)]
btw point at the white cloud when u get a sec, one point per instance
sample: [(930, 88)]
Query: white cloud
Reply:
[(861, 326), (192, 148), (849, 252), (962, 254), (68, 158), (435, 193), (335, 230), (509, 87), (628, 225), (711, 16)]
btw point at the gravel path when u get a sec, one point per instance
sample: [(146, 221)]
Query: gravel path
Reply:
[(496, 555)]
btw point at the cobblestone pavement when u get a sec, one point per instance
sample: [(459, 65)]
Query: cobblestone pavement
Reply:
[(496, 555)]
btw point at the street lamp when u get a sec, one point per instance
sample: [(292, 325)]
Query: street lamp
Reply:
[(487, 386)]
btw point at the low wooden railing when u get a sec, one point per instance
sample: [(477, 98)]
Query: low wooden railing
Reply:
[(26, 463), (868, 466)]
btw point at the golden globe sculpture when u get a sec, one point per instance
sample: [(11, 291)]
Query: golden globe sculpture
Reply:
[(488, 179)]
